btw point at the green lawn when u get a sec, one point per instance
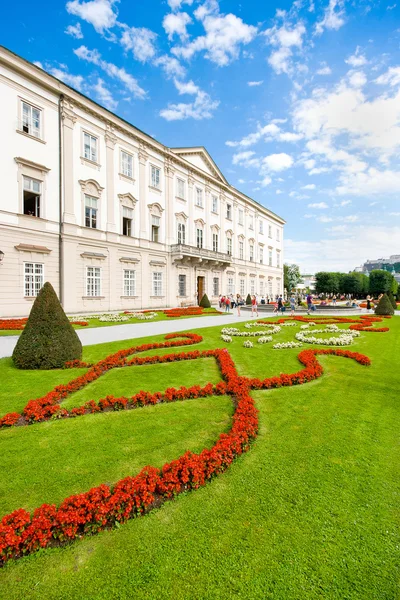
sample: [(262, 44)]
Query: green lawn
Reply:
[(311, 511), (96, 323)]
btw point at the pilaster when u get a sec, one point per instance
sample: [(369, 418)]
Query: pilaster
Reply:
[(110, 140), (68, 120), (143, 158)]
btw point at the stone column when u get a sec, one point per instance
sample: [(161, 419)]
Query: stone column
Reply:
[(169, 171), (207, 233), (110, 140), (190, 232), (235, 240), (68, 119), (143, 158)]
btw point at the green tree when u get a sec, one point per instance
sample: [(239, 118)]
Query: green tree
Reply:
[(48, 339), (384, 306), (327, 282), (204, 302), (392, 300), (380, 282), (291, 277), (248, 300)]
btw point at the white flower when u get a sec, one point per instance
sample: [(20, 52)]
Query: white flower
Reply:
[(264, 339), (226, 338), (248, 344), (283, 345)]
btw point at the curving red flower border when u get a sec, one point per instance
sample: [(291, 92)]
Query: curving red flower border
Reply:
[(105, 506)]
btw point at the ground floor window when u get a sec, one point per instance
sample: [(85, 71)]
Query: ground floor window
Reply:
[(262, 288), (129, 282), (242, 287), (252, 286), (182, 285), (231, 287), (33, 278), (157, 284), (270, 287), (93, 281), (215, 286)]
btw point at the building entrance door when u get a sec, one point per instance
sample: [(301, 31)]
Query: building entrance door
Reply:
[(201, 286)]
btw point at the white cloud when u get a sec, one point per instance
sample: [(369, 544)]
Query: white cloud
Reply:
[(391, 77), (346, 252), (241, 181), (246, 159), (266, 133), (176, 4), (140, 41), (170, 65), (75, 81), (371, 182), (176, 24), (318, 205), (225, 34), (265, 182), (254, 83), (285, 39), (94, 57), (324, 219), (334, 17), (394, 214), (344, 203), (188, 87), (309, 186), (357, 59), (99, 13), (277, 162), (357, 79), (324, 70), (75, 31), (201, 108), (278, 192), (104, 95)]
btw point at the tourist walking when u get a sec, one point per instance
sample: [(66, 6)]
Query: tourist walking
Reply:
[(309, 303), (227, 304), (239, 302), (368, 303), (292, 301), (334, 300), (254, 306), (280, 304)]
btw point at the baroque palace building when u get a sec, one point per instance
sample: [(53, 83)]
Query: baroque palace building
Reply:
[(112, 218)]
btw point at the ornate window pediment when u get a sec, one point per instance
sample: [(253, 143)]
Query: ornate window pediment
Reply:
[(181, 216), (91, 187), (199, 223), (127, 200), (241, 237), (155, 209)]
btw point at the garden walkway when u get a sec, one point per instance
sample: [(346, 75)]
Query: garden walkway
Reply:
[(100, 335)]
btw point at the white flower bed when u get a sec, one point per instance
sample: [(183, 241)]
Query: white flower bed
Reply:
[(332, 328), (265, 339), (236, 333), (345, 339), (288, 324), (113, 318), (248, 344), (143, 316), (226, 338), (284, 345), (272, 328)]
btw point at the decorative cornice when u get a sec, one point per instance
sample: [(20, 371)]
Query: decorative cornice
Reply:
[(129, 259), (127, 198), (181, 215), (96, 255), (31, 248), (110, 139), (155, 206), (24, 162), (91, 187)]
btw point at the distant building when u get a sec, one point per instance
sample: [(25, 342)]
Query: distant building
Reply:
[(388, 264), (308, 282)]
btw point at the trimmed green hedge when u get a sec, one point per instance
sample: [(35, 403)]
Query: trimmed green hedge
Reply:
[(48, 339), (204, 302), (384, 306)]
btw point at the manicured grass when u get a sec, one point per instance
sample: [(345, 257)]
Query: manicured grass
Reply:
[(160, 317), (311, 511)]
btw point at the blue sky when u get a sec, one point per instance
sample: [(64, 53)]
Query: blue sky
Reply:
[(297, 102)]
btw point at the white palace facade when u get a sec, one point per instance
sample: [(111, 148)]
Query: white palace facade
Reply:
[(112, 218)]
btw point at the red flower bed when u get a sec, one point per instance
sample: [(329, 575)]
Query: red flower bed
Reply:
[(12, 324), (364, 323), (183, 312), (102, 507)]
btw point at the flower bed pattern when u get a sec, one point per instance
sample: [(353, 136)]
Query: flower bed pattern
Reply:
[(105, 506), (19, 324)]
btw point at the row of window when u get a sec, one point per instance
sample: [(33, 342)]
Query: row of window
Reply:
[(32, 124), (34, 280)]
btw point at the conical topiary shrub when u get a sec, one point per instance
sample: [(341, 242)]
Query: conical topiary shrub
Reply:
[(204, 302), (48, 339), (384, 306), (248, 300), (392, 300)]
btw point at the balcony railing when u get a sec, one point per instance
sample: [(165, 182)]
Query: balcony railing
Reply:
[(203, 253)]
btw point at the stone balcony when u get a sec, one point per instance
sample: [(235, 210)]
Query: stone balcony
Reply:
[(185, 254)]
